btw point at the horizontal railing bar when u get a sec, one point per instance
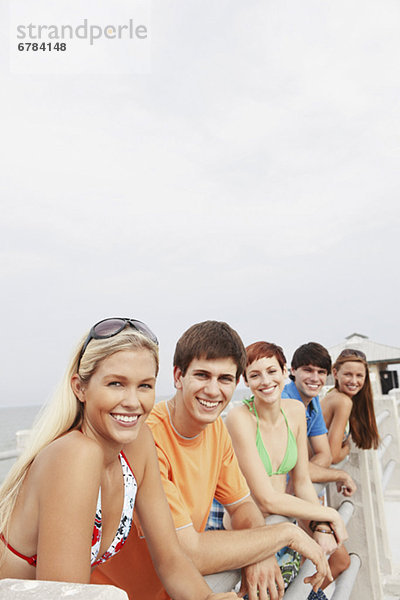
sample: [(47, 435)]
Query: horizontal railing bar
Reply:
[(387, 440), (382, 416), (49, 590), (7, 454), (345, 582), (387, 473), (346, 510)]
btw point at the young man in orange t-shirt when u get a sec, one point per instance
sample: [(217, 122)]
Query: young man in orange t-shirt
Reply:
[(197, 462)]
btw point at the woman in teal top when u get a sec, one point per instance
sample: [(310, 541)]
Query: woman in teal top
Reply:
[(270, 438)]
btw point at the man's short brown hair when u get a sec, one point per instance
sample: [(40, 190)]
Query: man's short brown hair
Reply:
[(210, 340)]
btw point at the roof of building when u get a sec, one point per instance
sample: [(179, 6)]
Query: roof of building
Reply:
[(375, 353)]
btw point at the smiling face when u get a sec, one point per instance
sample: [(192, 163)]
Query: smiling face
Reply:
[(202, 393), (309, 381), (350, 377), (266, 379), (118, 397)]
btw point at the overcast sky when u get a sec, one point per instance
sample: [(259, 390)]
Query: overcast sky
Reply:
[(251, 176)]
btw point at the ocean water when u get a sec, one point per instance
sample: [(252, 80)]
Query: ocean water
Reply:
[(12, 419)]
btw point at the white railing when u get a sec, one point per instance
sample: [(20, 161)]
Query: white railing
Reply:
[(344, 584), (22, 437), (371, 573), (8, 454), (375, 472), (23, 589)]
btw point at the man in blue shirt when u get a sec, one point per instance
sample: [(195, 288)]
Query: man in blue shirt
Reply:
[(311, 364)]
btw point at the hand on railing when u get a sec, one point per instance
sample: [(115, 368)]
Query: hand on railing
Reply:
[(263, 579), (325, 539), (334, 527), (338, 527), (307, 547), (345, 484)]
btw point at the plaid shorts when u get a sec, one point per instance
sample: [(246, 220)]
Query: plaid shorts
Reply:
[(216, 516)]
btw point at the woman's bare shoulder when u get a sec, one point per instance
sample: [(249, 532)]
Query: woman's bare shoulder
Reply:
[(69, 451), (336, 398), (293, 407), (238, 412), (295, 413), (70, 465)]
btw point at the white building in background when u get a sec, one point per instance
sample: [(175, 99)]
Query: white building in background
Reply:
[(379, 358)]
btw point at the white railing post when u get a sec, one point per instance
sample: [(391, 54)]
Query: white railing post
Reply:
[(22, 437), (384, 552), (374, 472), (390, 427), (361, 528)]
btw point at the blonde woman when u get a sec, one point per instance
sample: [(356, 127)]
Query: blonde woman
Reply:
[(67, 504)]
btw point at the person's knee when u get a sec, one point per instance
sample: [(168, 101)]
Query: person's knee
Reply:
[(345, 560), (340, 560)]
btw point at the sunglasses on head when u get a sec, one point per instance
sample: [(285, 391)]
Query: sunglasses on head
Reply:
[(109, 327), (352, 352)]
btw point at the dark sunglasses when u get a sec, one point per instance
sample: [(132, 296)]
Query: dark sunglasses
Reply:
[(352, 352), (113, 326)]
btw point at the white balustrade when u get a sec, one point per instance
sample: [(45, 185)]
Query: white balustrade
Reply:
[(27, 589)]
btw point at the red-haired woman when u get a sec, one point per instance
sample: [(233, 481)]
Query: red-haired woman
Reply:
[(348, 408), (269, 436)]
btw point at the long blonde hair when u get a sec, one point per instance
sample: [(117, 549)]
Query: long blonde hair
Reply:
[(64, 412)]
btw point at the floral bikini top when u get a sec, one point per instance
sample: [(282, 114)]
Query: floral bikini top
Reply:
[(130, 489), (289, 460)]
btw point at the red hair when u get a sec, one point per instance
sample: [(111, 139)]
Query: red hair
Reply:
[(264, 350)]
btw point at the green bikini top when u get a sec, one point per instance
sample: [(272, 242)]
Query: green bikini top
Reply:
[(289, 460)]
